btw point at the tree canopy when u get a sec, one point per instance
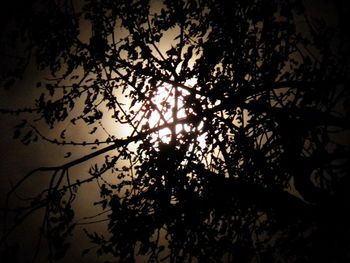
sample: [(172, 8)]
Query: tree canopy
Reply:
[(229, 127)]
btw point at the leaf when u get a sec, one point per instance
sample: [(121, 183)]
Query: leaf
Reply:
[(85, 251), (74, 77), (132, 103), (16, 134), (93, 130), (26, 138), (21, 125), (63, 134)]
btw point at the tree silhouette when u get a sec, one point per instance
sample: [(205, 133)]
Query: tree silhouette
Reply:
[(233, 113)]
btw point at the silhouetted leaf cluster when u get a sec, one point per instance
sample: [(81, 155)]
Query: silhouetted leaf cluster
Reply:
[(252, 171)]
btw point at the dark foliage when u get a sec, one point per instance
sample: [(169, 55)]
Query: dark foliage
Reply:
[(229, 105)]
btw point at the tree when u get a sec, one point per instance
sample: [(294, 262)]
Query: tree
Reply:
[(226, 107)]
